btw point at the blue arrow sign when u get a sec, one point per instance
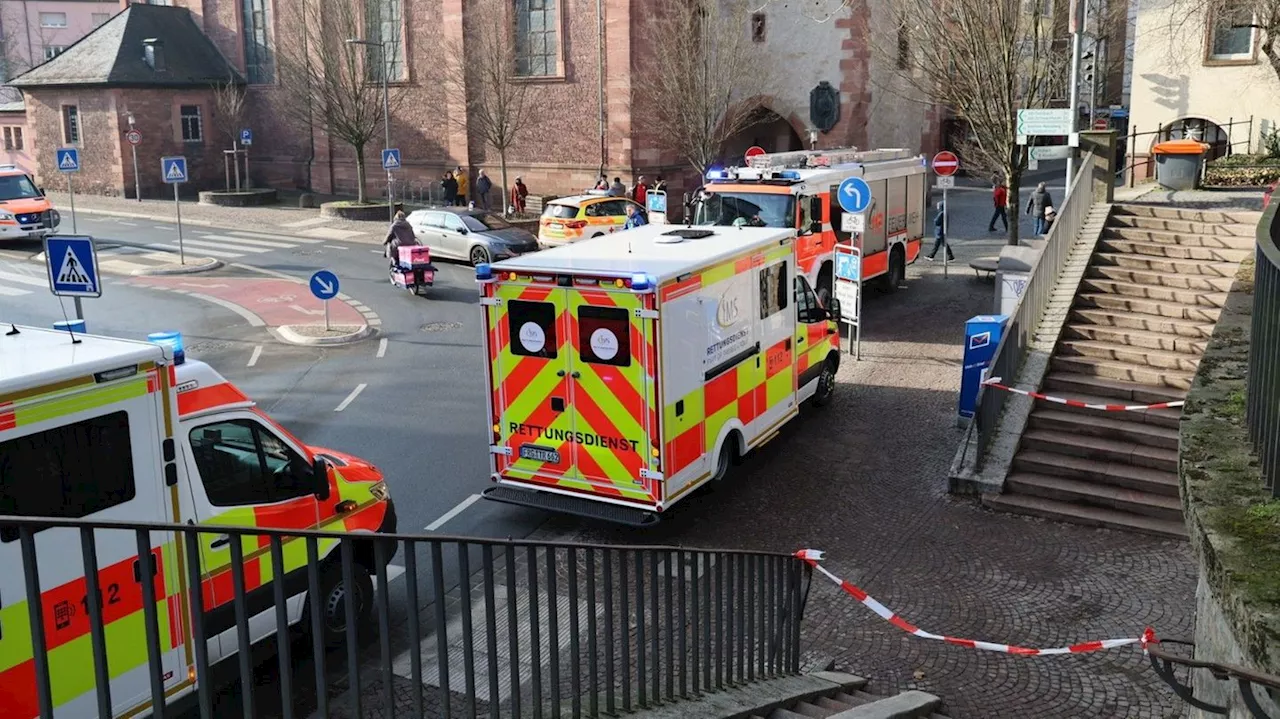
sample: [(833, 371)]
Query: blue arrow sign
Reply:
[(72, 265), (68, 159), (173, 169), (391, 158), (246, 136), (855, 194), (324, 285)]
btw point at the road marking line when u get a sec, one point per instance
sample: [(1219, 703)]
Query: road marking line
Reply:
[(277, 238), (251, 318), (222, 244), (459, 509), (335, 247), (382, 347), (131, 224), (12, 292), (172, 249), (351, 397), (24, 279), (251, 243), (379, 252), (257, 352)]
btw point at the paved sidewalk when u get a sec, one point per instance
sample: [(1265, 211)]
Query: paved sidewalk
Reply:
[(282, 218)]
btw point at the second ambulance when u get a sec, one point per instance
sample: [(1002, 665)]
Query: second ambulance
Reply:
[(626, 371)]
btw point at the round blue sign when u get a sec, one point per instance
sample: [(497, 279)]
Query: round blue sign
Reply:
[(324, 285), (855, 194)]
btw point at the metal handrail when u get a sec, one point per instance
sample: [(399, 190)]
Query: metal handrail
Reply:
[(1262, 403), (581, 630), (1025, 321), (1163, 663)]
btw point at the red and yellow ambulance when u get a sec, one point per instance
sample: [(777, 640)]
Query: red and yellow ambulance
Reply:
[(130, 431), (625, 372)]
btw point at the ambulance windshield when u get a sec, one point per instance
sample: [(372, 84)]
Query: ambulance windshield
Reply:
[(752, 208), (17, 187)]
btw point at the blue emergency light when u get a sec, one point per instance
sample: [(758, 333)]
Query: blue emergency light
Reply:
[(484, 272), (640, 282), (789, 175), (172, 341)]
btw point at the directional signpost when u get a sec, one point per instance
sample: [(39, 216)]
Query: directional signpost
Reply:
[(324, 285), (173, 170), (849, 292), (68, 161), (945, 165), (1044, 121), (72, 265)]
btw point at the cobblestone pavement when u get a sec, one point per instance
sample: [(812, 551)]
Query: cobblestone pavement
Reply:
[(865, 480)]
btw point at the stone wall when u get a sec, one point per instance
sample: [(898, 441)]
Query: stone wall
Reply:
[(1234, 523)]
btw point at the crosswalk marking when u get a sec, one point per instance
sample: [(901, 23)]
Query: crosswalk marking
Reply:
[(223, 246), (279, 238), (24, 279), (13, 291), (246, 241)]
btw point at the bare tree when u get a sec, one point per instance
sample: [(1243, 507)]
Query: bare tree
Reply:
[(330, 84), (701, 75), (983, 60), (501, 107), (229, 108)]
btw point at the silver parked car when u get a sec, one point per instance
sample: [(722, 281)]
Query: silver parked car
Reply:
[(477, 236)]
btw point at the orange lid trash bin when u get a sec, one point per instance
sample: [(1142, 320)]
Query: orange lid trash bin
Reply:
[(1180, 147)]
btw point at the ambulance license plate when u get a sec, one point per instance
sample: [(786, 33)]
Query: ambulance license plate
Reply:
[(556, 226), (539, 454)]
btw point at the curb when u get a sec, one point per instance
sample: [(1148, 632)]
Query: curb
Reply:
[(208, 264), (286, 333)]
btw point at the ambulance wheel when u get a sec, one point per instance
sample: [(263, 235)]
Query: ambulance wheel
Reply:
[(726, 459), (826, 381), (598, 234), (479, 256), (333, 597)]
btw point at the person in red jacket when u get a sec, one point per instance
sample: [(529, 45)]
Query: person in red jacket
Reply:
[(518, 194), (1000, 198)]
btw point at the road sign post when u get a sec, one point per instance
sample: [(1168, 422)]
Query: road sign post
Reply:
[(68, 162), (246, 139), (173, 170), (753, 151), (848, 272), (72, 265), (324, 285), (945, 165), (390, 161), (134, 138)]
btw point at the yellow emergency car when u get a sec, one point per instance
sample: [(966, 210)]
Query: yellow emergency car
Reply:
[(570, 219)]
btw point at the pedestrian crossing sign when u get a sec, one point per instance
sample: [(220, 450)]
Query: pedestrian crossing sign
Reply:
[(73, 266), (391, 159), (173, 169), (68, 159)]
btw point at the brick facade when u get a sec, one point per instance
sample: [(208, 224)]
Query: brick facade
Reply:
[(565, 154)]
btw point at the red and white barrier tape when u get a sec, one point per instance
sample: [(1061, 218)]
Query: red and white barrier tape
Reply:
[(813, 556), (995, 382)]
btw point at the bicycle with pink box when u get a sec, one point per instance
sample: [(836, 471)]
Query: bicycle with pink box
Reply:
[(412, 269)]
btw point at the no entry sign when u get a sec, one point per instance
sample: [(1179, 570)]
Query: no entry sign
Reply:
[(753, 151), (945, 164)]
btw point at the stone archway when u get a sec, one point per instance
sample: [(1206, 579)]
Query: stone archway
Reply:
[(1198, 128), (768, 129)]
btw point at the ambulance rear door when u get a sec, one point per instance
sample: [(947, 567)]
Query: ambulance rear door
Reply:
[(573, 388), (92, 452)]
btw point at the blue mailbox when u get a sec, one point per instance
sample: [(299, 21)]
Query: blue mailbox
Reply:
[(981, 338)]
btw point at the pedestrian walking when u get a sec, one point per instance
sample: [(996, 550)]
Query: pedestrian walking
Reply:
[(461, 176), (450, 188), (483, 185), (640, 191), (635, 218), (999, 198), (940, 234), (617, 189), (518, 194), (1036, 204)]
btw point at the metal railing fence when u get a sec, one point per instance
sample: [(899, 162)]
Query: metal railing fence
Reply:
[(1262, 404), (1022, 326), (474, 627), (1164, 132)]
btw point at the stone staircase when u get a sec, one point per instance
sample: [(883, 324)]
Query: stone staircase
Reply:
[(851, 700), (1137, 327)]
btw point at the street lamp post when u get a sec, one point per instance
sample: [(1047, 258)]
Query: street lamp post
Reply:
[(386, 114)]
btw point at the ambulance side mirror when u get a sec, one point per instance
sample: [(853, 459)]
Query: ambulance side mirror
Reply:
[(320, 478), (833, 309)]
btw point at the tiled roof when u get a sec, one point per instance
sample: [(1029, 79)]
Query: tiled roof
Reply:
[(112, 55)]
